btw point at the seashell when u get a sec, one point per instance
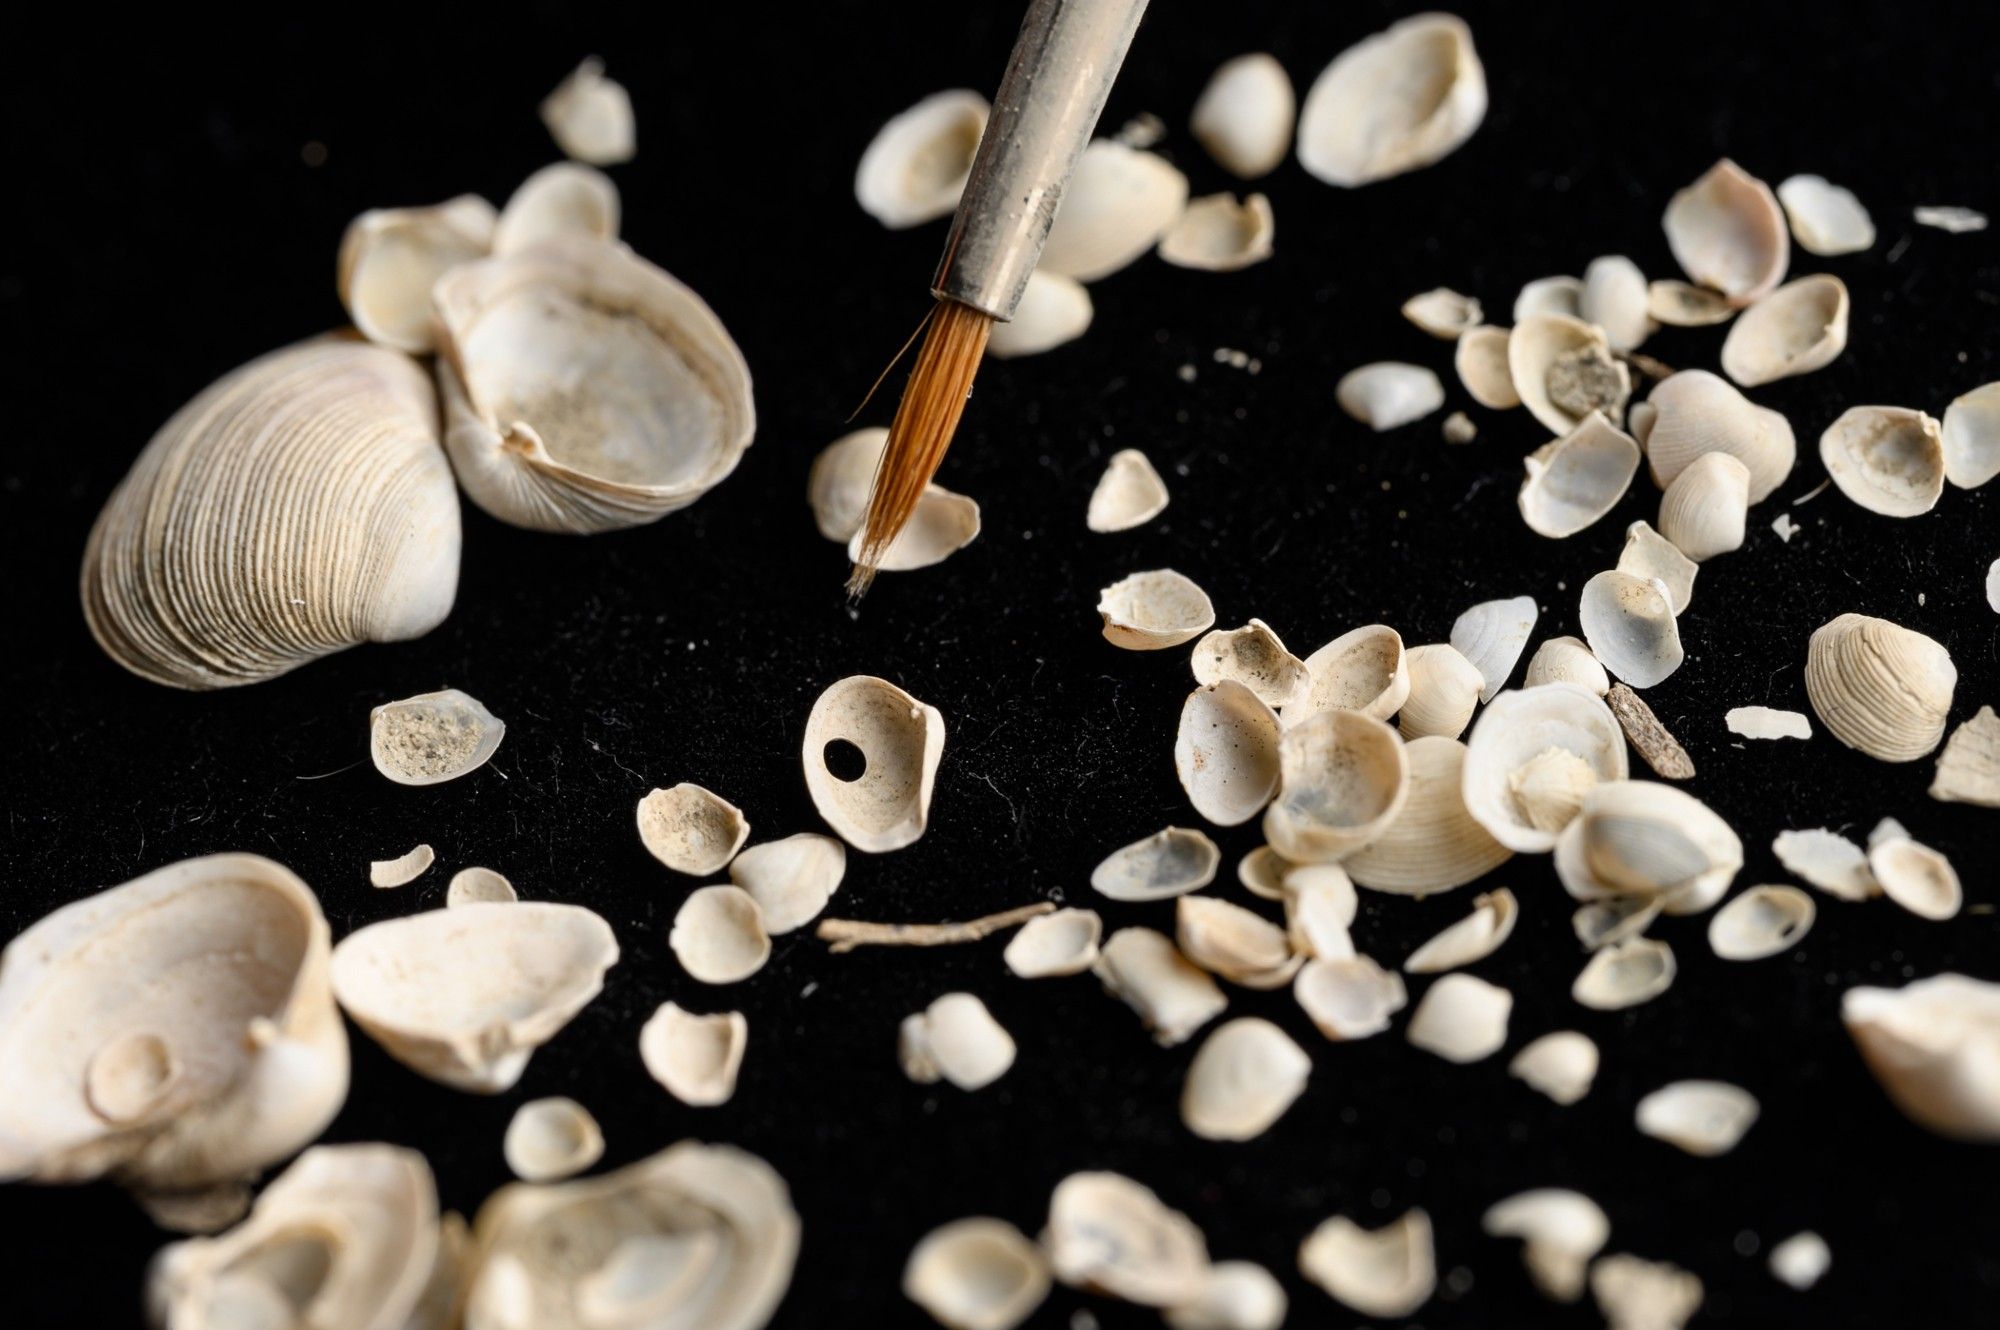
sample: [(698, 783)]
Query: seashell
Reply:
[(1226, 753), (1129, 494), (1320, 903), (1575, 480), (841, 480), (1879, 687), (1935, 1047), (1684, 305), (1642, 838), (1971, 440), (1444, 692), (1629, 623), (1651, 557), (695, 1058), (1361, 670), (1760, 922), (900, 740), (1615, 298), (1388, 1272), (1244, 115), (1826, 219), (1050, 945), (1798, 328), (915, 167), (432, 737), (1481, 361), (1767, 723), (1117, 205), (1458, 428), (402, 870), (1561, 1065), (1432, 844), (1949, 218), (1831, 862), (1110, 1235), (1242, 1079), (1610, 920), (691, 830), (791, 879), (1054, 310), (1888, 459), (585, 389), (1568, 660), (1727, 233), (174, 1032), (1471, 939), (1563, 370), (1168, 863), (942, 524), (1172, 996), (1803, 1259), (297, 506), (1550, 295), (1533, 757), (563, 200), (1255, 657), (1215, 233), (391, 257), (1492, 635), (1443, 313), (1698, 413), (1153, 610), (1704, 510), (1349, 997), (590, 116), (1461, 1019), (955, 1039), (1914, 875), (1968, 770), (1560, 1230), (1400, 100), (465, 996), (977, 1274), (1342, 781), (1704, 1118), (1233, 943), (1634, 1294), (1389, 394), (1237, 1295), (696, 1235), (551, 1139), (718, 935), (1625, 974), (1262, 873)]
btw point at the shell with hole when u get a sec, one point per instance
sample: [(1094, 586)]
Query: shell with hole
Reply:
[(977, 1274), (690, 829), (1130, 493), (1888, 459), (1388, 394), (1971, 440), (915, 167), (1216, 233), (1349, 997), (695, 1058), (1705, 510), (432, 737), (1651, 557), (1226, 753), (1629, 623), (1110, 1235), (1826, 219), (1342, 780), (791, 879), (1759, 922), (1154, 610), (1054, 310), (1171, 995), (1444, 692), (1560, 1231), (1243, 1078), (1879, 687), (1052, 945), (1696, 412), (900, 741), (1397, 101), (1385, 1272), (1432, 844), (1728, 233), (1245, 114), (1492, 635), (1642, 838), (1567, 660), (1254, 656), (1934, 1045), (1361, 670), (1117, 205), (1170, 862), (1615, 298), (1483, 367), (564, 199), (1234, 943), (391, 257), (1563, 370), (551, 1139), (1576, 479), (1533, 757), (590, 116), (1798, 328)]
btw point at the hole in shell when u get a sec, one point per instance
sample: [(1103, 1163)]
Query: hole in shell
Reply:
[(844, 760)]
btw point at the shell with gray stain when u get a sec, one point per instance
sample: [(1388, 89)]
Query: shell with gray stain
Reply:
[(900, 741), (1879, 687), (1576, 479), (1563, 370), (1629, 623), (1343, 778)]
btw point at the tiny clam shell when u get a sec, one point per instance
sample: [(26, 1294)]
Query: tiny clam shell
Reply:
[(1760, 922), (1361, 670), (1566, 660), (1389, 394), (1154, 610), (590, 116), (1054, 310), (403, 869), (564, 199), (1234, 943), (690, 829), (1397, 101), (391, 257), (1704, 1118), (1262, 873), (977, 1274), (841, 479), (1560, 1231), (1244, 116), (695, 1058), (1349, 997), (1561, 1065), (1728, 233), (1243, 1078), (1826, 219), (1767, 723), (475, 886), (1432, 844), (1443, 313), (1386, 1272), (914, 169), (1130, 493), (1172, 996), (1706, 508), (1827, 860), (1550, 295), (1471, 939), (1629, 623), (551, 1139), (1625, 974), (1610, 920), (1971, 439), (1444, 692), (1109, 1234), (1801, 1260), (942, 524), (1343, 779), (1117, 205), (955, 1039), (1170, 862), (1533, 756), (1915, 876), (1798, 328), (1696, 412), (1492, 635), (1255, 657), (1481, 361), (1879, 687), (901, 741), (1461, 1019), (718, 935), (791, 879), (1237, 1295), (1051, 945), (432, 737), (1216, 233), (1968, 770), (1888, 459), (1615, 299), (1685, 305), (1934, 1045), (1576, 479), (1635, 1294), (1650, 556), (1643, 838), (1320, 904), (1563, 370)]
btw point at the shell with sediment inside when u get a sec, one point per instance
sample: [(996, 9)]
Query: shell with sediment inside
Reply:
[(1397, 101), (695, 1058), (1444, 692), (1151, 611), (1970, 436), (1566, 660), (1245, 114), (1879, 687), (1651, 557), (1706, 508), (1492, 635), (1343, 778), (915, 167), (1218, 234), (1615, 298), (1130, 493), (1888, 459), (1117, 205), (1234, 943), (1361, 670), (297, 506), (1563, 370), (551, 1139), (1243, 1078), (691, 829), (1798, 328), (1432, 844), (1576, 479), (1349, 997), (562, 200), (1642, 838), (1255, 657), (391, 257), (1052, 945), (1111, 1235), (1728, 233), (1171, 995), (900, 740), (590, 116), (1629, 623), (791, 879), (432, 737), (1533, 757), (1482, 364), (1696, 412), (1054, 310), (1385, 1272), (977, 1274), (1934, 1045)]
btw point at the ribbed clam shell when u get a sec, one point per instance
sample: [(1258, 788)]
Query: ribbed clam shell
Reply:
[(1566, 660), (1492, 635), (1394, 102), (1444, 692), (1728, 233), (1888, 459), (1432, 844), (1798, 328), (1705, 509), (1880, 687), (1697, 412)]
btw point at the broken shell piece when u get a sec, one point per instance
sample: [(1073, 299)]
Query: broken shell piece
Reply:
[(1704, 1118), (694, 1057), (1108, 1234), (1915, 876), (1117, 205), (1153, 610), (1831, 862), (1129, 494), (402, 870), (955, 1039), (1613, 919), (1320, 903), (1706, 508), (1361, 670), (432, 737), (1397, 101), (1243, 1078), (1801, 1260), (915, 167), (1968, 770), (466, 995), (1826, 219), (1461, 1019), (1226, 753), (1471, 939), (718, 935), (1727, 233), (1349, 998), (1234, 943), (1684, 305), (1389, 394), (791, 879), (563, 200), (1629, 623), (1935, 1047), (1879, 687), (1615, 299), (1634, 1294), (1642, 838), (1971, 440), (1625, 974), (1343, 779), (1696, 412), (690, 829), (1218, 234), (1237, 1295), (1168, 863), (1390, 1271), (552, 1139), (1481, 361), (590, 116), (1492, 635), (841, 479), (900, 740), (1432, 844), (391, 257), (1567, 660), (1056, 944), (1563, 370), (977, 1274), (1054, 310), (1443, 313), (1262, 873), (1172, 996), (1760, 922), (585, 389), (1652, 557), (1798, 328), (1533, 757), (1550, 295), (1244, 116), (1255, 657), (1767, 723), (1888, 459), (1561, 1065), (1444, 692), (1560, 1231), (1949, 218), (1575, 480), (942, 524)]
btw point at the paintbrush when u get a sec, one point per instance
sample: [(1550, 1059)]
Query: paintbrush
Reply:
[(1056, 82)]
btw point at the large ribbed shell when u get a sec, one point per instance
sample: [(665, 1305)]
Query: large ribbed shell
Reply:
[(1433, 844), (1880, 687), (585, 389), (298, 506)]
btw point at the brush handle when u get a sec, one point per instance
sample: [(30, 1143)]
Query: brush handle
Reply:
[(1061, 71)]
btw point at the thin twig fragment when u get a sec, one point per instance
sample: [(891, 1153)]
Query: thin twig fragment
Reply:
[(847, 934), (1663, 752)]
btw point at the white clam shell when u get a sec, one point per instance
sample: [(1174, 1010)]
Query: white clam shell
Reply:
[(1935, 1047), (1826, 219), (1651, 557), (915, 167), (1171, 995), (977, 1274), (1109, 1234), (1242, 1079), (1481, 359), (1153, 610), (1728, 233), (1052, 945), (1471, 939), (1561, 1065), (1705, 510), (1550, 295), (1629, 623), (1704, 1118), (718, 935), (1262, 873), (1625, 974), (1879, 687), (1915, 876), (1798, 328), (1054, 311), (695, 1058), (1389, 394), (1215, 233), (955, 1039), (403, 869), (1615, 299), (1245, 114), (1432, 844), (1117, 205), (472, 886), (1255, 657), (1560, 1230), (1234, 943), (551, 1139), (901, 741), (1696, 412), (942, 524), (1760, 922), (1567, 660), (690, 829), (1888, 459), (1349, 997), (1563, 370), (841, 479), (1361, 670), (1320, 904), (563, 200), (1168, 863), (1443, 313), (1801, 1260), (1444, 692), (1387, 1272), (1684, 305), (1643, 838), (585, 389), (791, 879), (1576, 479), (432, 737), (1492, 635), (1237, 1295), (1343, 779), (1130, 493), (1827, 860), (1533, 757), (590, 116), (1635, 1294), (1461, 1019), (1397, 101), (1971, 438), (391, 257), (1968, 770), (1767, 723)]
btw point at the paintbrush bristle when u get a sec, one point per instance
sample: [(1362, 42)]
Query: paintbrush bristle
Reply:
[(925, 420)]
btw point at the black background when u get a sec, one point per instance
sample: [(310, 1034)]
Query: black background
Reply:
[(167, 227)]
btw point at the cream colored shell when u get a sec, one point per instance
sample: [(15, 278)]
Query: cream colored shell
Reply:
[(1767, 723), (1170, 994), (391, 257), (718, 935), (1968, 770), (1760, 922), (1237, 1295), (1685, 305), (1397, 101), (1697, 412), (1443, 313), (1563, 370), (1388, 394), (1888, 459), (551, 1139), (955, 1039), (403, 869), (1117, 205), (1561, 1065), (1444, 692), (1492, 635), (1052, 945), (1255, 657), (1615, 298), (1827, 860), (1234, 943), (1461, 1019), (915, 167), (1470, 940), (1054, 310), (1243, 1078), (1914, 875), (1385, 1272), (1800, 1261), (1826, 219), (942, 524), (1168, 863), (1576, 479), (1567, 660), (1635, 1294), (590, 116), (1550, 295), (1728, 234), (1934, 1045), (1361, 670), (1151, 611), (562, 200), (901, 741), (1879, 687), (1349, 997), (1216, 233), (1533, 757), (1629, 623), (1110, 1235), (690, 829), (791, 879), (1704, 1118), (1644, 838), (1970, 436), (470, 886), (1481, 360), (1130, 493), (977, 1274), (1651, 557), (841, 479), (1625, 974), (1560, 1230), (1798, 328), (1432, 844), (1343, 778), (1245, 114), (1705, 510), (695, 1058), (433, 737)]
